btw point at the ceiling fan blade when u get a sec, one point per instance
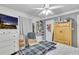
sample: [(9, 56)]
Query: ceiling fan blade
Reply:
[(50, 12), (42, 12), (38, 8), (55, 7)]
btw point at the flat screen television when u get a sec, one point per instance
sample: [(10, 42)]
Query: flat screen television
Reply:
[(8, 22)]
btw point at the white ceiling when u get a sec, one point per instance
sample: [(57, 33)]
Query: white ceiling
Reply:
[(27, 8)]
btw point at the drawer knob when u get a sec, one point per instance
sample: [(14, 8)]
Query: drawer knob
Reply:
[(61, 31)]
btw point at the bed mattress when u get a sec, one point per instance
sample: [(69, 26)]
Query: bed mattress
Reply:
[(39, 49)]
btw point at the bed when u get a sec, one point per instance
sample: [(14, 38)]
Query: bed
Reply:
[(38, 49)]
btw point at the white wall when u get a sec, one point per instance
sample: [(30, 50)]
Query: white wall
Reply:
[(27, 25)]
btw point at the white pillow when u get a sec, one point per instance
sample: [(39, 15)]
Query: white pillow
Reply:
[(32, 42)]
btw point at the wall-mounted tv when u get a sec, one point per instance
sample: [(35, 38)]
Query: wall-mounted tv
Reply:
[(8, 22)]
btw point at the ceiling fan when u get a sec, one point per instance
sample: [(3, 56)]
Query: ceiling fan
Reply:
[(46, 10)]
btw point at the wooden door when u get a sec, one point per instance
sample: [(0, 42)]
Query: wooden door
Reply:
[(68, 35), (58, 34)]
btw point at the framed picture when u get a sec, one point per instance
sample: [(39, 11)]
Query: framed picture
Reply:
[(8, 22)]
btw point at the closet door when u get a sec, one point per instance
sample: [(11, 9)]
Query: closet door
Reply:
[(58, 34), (67, 36)]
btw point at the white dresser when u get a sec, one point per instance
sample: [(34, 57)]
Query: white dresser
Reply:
[(9, 41)]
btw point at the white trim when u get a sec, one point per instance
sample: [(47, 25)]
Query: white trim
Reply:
[(77, 30), (65, 13)]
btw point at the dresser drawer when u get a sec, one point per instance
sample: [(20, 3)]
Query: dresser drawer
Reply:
[(5, 50), (4, 43)]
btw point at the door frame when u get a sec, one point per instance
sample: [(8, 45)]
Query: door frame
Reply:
[(77, 30)]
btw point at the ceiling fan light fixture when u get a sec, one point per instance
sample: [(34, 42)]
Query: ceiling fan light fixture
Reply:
[(46, 12)]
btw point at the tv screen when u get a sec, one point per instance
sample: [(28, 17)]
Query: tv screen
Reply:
[(8, 22)]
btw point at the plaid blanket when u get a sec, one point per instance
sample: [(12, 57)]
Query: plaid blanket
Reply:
[(39, 49)]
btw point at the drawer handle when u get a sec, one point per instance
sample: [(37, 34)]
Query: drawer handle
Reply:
[(61, 31)]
